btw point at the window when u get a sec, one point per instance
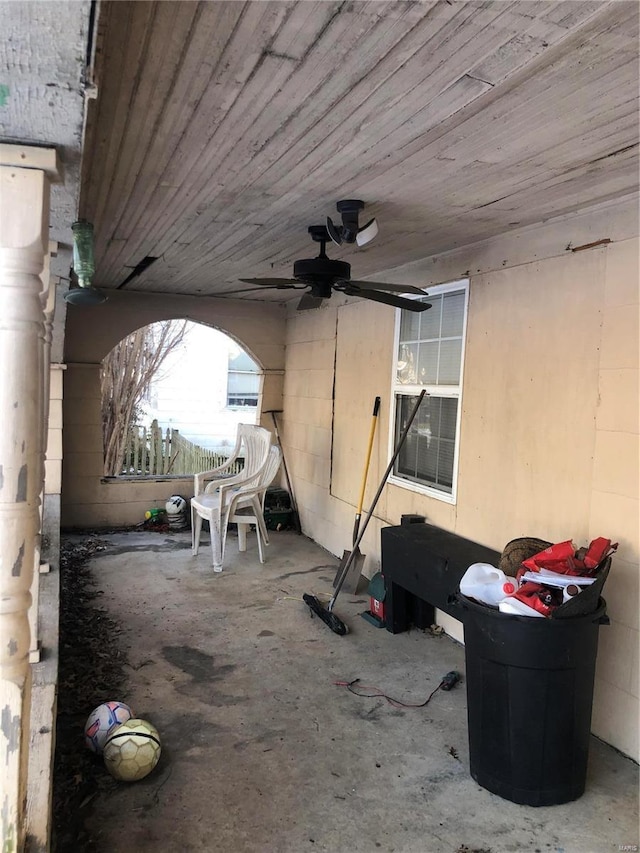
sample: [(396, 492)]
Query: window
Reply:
[(243, 383), (429, 355)]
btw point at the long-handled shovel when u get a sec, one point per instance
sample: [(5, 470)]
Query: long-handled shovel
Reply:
[(352, 578), (313, 603)]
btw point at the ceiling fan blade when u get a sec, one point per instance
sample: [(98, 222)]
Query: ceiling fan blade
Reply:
[(308, 301), (240, 290), (389, 299), (283, 283), (392, 288)]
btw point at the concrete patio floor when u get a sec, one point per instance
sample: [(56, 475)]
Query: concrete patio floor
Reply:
[(262, 752)]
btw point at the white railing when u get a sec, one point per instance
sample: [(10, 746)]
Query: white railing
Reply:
[(152, 451)]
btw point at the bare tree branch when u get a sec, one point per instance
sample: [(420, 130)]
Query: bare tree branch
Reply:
[(126, 375)]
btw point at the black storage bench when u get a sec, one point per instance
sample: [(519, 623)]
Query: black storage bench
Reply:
[(422, 566)]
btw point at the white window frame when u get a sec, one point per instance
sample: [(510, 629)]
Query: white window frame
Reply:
[(235, 406), (432, 390)]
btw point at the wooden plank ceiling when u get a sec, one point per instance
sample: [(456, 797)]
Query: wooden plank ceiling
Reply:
[(223, 129)]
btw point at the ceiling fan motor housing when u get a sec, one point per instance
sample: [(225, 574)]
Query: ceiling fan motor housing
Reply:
[(321, 270)]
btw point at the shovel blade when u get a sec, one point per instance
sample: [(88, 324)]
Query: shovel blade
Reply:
[(352, 580)]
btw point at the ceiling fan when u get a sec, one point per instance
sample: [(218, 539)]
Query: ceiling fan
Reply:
[(321, 275)]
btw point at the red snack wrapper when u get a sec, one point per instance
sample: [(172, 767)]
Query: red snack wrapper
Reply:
[(598, 550), (557, 558)]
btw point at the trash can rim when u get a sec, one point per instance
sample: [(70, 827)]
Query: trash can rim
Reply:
[(469, 604)]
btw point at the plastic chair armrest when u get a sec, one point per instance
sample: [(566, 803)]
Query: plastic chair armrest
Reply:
[(235, 479), (249, 493), (201, 477)]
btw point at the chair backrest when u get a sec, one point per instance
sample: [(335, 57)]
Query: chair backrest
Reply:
[(272, 465), (256, 442), (237, 450), (267, 475)]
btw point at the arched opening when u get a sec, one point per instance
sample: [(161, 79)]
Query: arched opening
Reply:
[(173, 394)]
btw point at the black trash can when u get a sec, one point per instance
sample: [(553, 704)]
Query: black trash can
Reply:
[(529, 698)]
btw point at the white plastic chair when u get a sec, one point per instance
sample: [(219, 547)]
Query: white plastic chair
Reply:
[(213, 497), (247, 437)]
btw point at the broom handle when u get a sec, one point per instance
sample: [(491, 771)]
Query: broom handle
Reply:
[(374, 419), (356, 544)]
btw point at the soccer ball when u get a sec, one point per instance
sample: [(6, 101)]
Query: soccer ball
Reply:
[(176, 505), (132, 750), (176, 508), (100, 722)]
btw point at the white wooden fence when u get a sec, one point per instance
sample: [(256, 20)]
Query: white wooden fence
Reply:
[(151, 451)]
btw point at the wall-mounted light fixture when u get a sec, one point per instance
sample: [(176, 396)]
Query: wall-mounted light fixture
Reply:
[(83, 266)]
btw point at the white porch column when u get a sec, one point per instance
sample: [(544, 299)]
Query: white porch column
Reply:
[(25, 174), (48, 299)]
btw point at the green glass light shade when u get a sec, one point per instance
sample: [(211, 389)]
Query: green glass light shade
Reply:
[(84, 266), (83, 262)]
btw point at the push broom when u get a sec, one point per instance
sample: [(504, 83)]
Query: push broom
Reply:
[(315, 606)]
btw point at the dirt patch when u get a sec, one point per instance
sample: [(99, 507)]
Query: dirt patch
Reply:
[(92, 671)]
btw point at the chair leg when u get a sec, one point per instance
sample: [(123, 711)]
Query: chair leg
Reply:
[(259, 538), (260, 519), (224, 527), (196, 530), (217, 546), (261, 527), (218, 522), (242, 536)]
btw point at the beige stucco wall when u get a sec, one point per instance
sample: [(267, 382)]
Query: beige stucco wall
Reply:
[(614, 505), (549, 432), (88, 500)]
